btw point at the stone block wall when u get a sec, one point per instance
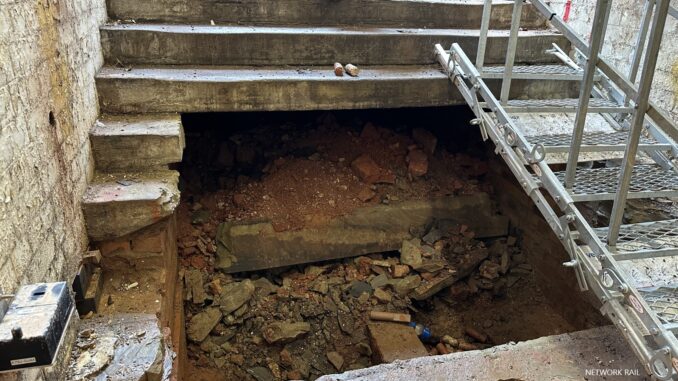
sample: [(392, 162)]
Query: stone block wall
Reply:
[(49, 53), (620, 42)]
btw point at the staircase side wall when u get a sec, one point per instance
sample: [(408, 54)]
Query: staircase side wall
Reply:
[(49, 53)]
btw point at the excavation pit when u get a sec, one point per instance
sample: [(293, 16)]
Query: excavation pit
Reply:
[(288, 241)]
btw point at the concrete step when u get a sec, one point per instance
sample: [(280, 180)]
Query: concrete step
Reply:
[(140, 44), (406, 13), (121, 203), (136, 141), (232, 88)]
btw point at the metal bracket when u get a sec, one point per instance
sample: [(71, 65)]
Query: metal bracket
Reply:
[(574, 251), (662, 364)]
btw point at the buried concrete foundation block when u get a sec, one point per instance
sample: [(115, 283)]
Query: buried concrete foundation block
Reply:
[(256, 246)]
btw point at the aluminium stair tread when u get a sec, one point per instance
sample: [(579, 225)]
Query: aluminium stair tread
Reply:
[(594, 142), (663, 301), (645, 237), (539, 71), (596, 105), (597, 184)]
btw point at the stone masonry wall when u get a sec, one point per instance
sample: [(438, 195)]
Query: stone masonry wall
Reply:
[(620, 41), (49, 53)]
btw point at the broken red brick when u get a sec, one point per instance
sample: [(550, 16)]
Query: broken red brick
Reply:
[(467, 346), (108, 248), (442, 349), (366, 194), (400, 271), (476, 334), (148, 243), (370, 172), (417, 163), (425, 139), (394, 341)]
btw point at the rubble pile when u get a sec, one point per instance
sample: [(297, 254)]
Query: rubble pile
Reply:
[(303, 322), (302, 174)]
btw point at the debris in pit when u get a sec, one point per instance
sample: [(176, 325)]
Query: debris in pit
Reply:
[(390, 316), (370, 172), (393, 341), (284, 332), (234, 295), (309, 180), (417, 163), (201, 324), (336, 359)]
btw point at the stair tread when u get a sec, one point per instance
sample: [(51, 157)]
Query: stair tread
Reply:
[(205, 73), (664, 302), (134, 125), (123, 187), (566, 102), (596, 105), (652, 236), (321, 12), (589, 138), (648, 180), (534, 69), (198, 88)]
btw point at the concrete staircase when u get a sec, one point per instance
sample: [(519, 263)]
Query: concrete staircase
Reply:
[(168, 56), (132, 187), (259, 55)]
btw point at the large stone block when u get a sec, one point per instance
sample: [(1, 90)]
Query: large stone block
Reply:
[(245, 247)]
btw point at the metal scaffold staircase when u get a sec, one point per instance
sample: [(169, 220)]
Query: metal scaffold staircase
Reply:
[(634, 130)]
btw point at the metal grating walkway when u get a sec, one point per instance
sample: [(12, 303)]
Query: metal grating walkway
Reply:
[(598, 184), (664, 302), (546, 72), (635, 240), (563, 105), (595, 142)]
